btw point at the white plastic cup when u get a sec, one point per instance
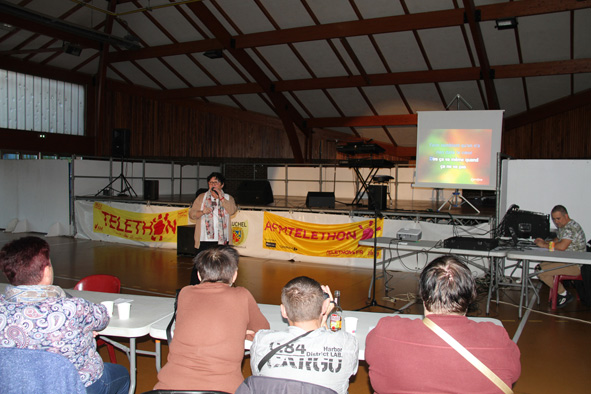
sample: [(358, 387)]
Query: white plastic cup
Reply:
[(109, 305), (351, 324), (123, 308)]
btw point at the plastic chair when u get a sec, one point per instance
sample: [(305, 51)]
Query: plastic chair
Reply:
[(104, 284), (269, 385), (554, 291), (37, 371)]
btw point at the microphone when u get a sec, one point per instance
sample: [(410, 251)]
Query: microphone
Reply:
[(215, 192)]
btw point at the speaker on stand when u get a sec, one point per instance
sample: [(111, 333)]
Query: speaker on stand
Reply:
[(378, 198), (120, 147)]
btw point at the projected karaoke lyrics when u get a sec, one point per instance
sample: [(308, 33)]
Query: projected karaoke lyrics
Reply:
[(458, 156)]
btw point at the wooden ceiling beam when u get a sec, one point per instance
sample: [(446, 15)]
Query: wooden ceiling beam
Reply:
[(21, 66), (391, 24), (550, 109), (485, 70), (282, 107), (411, 77), (49, 31), (559, 67), (364, 121)]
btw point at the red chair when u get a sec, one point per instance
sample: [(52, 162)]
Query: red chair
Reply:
[(554, 290), (104, 284)]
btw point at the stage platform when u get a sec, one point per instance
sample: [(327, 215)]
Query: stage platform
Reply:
[(398, 209)]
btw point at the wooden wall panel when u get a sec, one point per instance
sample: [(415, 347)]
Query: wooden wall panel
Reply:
[(565, 135), (187, 131)]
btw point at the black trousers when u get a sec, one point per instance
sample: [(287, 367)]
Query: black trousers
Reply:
[(202, 246)]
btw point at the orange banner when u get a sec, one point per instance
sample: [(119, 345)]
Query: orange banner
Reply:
[(325, 240), (138, 226)]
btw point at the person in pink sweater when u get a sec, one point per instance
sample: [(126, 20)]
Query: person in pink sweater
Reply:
[(213, 320), (405, 356)]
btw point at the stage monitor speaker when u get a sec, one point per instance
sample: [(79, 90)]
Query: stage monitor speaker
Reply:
[(151, 189), (255, 192), (378, 197), (121, 143), (185, 240), (320, 200), (201, 191)]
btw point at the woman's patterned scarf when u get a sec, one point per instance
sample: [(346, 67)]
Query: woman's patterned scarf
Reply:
[(222, 219)]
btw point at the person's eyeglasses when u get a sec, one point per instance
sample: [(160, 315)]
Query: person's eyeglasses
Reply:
[(214, 183)]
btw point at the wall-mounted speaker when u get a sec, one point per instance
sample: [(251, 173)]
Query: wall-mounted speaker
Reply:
[(121, 142), (320, 200)]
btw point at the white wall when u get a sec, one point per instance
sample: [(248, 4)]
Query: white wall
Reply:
[(539, 185), (344, 182), (34, 196)]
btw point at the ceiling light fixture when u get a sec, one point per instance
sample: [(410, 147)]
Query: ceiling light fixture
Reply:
[(71, 49), (6, 27), (214, 54), (506, 23)]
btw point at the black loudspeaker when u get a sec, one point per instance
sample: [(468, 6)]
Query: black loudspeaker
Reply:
[(151, 189), (121, 142), (256, 192), (320, 200), (185, 240), (378, 197)]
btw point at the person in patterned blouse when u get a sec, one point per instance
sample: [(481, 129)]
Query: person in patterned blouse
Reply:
[(35, 314)]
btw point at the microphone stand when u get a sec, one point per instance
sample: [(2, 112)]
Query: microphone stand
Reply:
[(372, 301)]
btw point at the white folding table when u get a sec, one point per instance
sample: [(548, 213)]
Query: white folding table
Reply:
[(436, 247), (366, 322), (145, 311), (542, 255)]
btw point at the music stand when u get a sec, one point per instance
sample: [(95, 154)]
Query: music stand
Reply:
[(110, 190), (372, 301)]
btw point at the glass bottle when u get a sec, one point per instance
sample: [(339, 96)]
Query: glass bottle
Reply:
[(336, 317)]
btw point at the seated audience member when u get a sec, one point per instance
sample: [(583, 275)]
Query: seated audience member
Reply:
[(317, 355), (34, 314), (213, 319), (405, 356), (571, 238)]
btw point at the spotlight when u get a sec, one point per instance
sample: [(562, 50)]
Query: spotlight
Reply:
[(506, 23), (214, 54), (71, 49)]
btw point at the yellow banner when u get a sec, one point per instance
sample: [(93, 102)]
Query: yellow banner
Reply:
[(325, 240), (136, 226)]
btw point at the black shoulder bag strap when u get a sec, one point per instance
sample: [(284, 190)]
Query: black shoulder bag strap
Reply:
[(169, 327), (272, 352)]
